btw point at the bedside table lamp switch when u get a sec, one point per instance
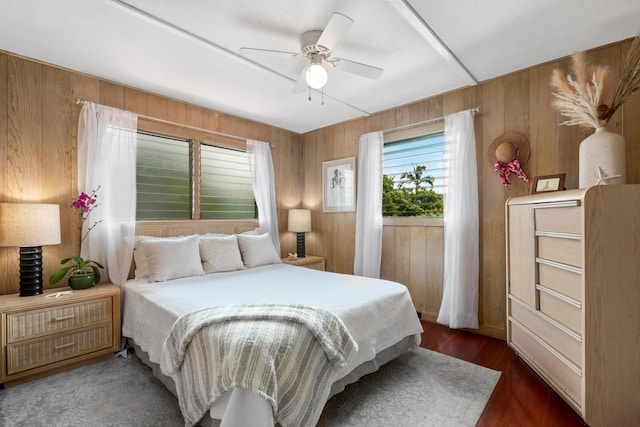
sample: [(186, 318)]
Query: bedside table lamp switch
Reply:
[(300, 223), (29, 226)]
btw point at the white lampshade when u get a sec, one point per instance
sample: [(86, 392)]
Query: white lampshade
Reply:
[(299, 220), (29, 224), (316, 76)]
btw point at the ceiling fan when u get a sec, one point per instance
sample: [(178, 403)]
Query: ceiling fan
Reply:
[(316, 47)]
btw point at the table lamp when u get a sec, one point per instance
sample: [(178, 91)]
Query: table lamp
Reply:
[(300, 223), (29, 226)]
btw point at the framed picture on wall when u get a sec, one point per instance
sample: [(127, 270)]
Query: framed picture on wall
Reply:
[(542, 184), (339, 185)]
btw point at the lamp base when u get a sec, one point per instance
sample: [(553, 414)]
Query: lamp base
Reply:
[(30, 271), (300, 242)]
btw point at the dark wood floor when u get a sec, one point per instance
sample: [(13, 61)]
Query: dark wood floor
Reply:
[(521, 397)]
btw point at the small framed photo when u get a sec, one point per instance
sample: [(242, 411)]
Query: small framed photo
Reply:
[(542, 184), (339, 185)]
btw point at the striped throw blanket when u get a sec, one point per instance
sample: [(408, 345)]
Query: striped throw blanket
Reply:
[(285, 353)]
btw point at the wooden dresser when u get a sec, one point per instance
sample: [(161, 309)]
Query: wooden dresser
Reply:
[(573, 296), (43, 334)]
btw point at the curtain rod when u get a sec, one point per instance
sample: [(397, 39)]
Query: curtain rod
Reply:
[(424, 122), (182, 125)]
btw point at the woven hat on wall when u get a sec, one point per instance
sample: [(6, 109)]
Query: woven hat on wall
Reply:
[(507, 154)]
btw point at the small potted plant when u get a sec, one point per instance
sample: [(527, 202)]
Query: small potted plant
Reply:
[(83, 272)]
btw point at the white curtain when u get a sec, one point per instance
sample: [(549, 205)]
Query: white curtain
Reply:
[(368, 252), (459, 307), (264, 188), (107, 159)]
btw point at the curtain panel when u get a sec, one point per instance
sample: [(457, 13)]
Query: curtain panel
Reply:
[(264, 188), (107, 160), (459, 307), (368, 248)]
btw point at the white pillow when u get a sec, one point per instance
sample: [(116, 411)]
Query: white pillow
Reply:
[(140, 254), (220, 254), (257, 250), (172, 258)]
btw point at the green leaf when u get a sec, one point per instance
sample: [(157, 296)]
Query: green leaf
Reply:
[(58, 275), (96, 273)]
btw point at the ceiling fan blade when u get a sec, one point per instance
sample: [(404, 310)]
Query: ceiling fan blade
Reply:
[(251, 50), (335, 30), (301, 83), (353, 67)]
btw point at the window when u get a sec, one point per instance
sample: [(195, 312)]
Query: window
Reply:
[(179, 178), (413, 175), (226, 191), (163, 177)]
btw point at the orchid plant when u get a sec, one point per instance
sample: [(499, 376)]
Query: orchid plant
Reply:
[(84, 204)]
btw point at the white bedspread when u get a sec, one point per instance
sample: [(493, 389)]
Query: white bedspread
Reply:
[(377, 313)]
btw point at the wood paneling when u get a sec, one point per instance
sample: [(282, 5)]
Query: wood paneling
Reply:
[(5, 253), (38, 146), (519, 102), (58, 151)]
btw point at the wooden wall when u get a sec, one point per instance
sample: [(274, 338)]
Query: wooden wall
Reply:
[(412, 254), (38, 132)]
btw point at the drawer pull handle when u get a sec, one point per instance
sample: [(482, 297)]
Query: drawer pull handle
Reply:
[(61, 346), (60, 319)]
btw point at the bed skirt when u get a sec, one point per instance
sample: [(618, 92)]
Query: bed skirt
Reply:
[(368, 367)]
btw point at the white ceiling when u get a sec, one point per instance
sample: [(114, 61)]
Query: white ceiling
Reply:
[(189, 50)]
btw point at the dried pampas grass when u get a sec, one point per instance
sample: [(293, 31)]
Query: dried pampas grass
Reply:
[(630, 80), (581, 97)]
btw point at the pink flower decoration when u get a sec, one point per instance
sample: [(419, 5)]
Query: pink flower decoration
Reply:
[(511, 167)]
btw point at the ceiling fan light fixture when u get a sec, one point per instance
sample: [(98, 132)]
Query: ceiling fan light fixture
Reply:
[(316, 76)]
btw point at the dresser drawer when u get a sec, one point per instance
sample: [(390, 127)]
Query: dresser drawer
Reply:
[(565, 251), (567, 345), (550, 366), (560, 280), (39, 352), (35, 323), (559, 220), (565, 313)]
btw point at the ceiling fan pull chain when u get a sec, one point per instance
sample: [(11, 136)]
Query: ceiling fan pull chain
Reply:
[(322, 103), (309, 87)]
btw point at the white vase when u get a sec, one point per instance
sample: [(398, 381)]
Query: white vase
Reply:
[(602, 157)]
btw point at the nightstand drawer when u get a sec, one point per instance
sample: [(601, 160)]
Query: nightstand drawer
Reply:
[(35, 323), (52, 332), (32, 354), (310, 261), (316, 266)]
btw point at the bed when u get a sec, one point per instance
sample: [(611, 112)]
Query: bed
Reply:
[(377, 316)]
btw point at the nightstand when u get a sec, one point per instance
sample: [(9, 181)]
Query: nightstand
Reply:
[(310, 261), (41, 335)]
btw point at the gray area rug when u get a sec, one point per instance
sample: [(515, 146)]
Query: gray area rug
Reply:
[(420, 388)]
